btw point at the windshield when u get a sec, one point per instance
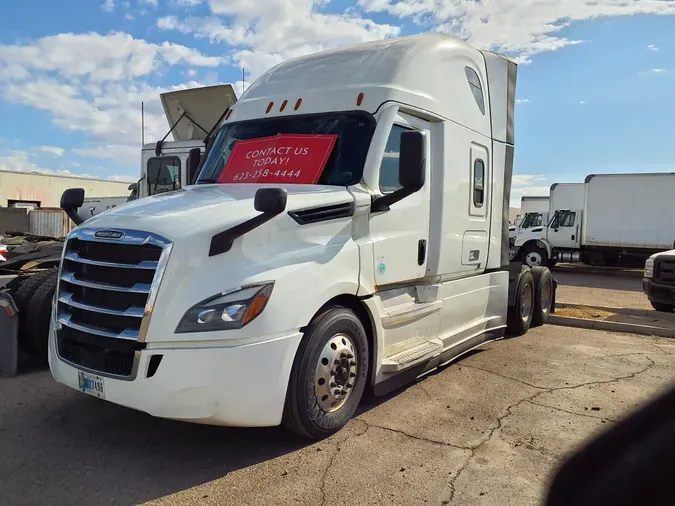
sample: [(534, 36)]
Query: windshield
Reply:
[(532, 220), (163, 174), (350, 132)]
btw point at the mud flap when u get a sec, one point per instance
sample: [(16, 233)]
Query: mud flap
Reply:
[(9, 336)]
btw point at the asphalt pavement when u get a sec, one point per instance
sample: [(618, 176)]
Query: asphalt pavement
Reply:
[(487, 430)]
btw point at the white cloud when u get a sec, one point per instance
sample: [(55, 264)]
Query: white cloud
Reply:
[(521, 27), (150, 2), (187, 3), (652, 47), (582, 102), (658, 71), (52, 150), (522, 101), (108, 6), (527, 185)]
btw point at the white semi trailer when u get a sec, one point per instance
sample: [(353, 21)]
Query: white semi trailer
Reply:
[(610, 219), (348, 228)]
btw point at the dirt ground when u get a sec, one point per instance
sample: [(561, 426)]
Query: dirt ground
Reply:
[(487, 430)]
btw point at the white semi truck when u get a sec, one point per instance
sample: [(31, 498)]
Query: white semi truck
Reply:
[(610, 219), (348, 229)]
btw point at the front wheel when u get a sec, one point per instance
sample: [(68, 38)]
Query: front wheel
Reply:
[(666, 308), (329, 375), (534, 256)]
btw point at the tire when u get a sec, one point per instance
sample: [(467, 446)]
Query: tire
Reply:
[(666, 308), (307, 414), (39, 314), (543, 295), (22, 298), (519, 316), (534, 256)]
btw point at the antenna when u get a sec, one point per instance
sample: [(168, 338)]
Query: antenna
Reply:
[(142, 124)]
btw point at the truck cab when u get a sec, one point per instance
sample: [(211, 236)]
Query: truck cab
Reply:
[(192, 115), (348, 229)]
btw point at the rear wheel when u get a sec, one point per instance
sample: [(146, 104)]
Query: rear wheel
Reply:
[(22, 298), (519, 317), (329, 375), (534, 256), (666, 308), (543, 290), (39, 314)]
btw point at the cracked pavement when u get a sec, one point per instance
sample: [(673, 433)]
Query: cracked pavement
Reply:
[(487, 430)]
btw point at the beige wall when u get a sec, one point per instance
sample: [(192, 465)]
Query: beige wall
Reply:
[(47, 189)]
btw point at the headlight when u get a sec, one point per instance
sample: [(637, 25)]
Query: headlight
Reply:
[(227, 310), (649, 268)]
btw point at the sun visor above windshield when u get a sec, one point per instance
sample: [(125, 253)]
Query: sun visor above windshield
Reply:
[(202, 108), (281, 159)]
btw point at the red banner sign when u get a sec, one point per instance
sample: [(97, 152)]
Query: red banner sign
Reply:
[(297, 158)]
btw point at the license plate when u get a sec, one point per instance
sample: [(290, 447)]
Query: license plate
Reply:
[(91, 384)]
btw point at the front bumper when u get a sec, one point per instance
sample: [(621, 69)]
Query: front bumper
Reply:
[(236, 386), (658, 292)]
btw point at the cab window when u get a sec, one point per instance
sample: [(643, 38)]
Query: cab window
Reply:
[(389, 167), (163, 174)]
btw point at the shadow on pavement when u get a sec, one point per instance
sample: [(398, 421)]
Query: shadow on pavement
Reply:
[(58, 446), (61, 447), (588, 280)]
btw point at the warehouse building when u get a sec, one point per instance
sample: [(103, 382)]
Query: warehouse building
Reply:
[(33, 189)]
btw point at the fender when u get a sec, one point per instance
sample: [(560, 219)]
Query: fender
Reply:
[(544, 244)]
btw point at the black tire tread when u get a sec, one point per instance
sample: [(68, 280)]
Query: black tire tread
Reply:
[(22, 297), (539, 317), (39, 314), (664, 308), (514, 323)]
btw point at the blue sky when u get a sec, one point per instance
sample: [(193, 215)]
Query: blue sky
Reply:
[(595, 80)]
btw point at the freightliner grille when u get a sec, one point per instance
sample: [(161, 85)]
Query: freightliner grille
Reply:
[(107, 286), (664, 270)]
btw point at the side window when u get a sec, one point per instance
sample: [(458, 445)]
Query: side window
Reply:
[(389, 167), (555, 222), (478, 183), (163, 174), (476, 88), (567, 219)]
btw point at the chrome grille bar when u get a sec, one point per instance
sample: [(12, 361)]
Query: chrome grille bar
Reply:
[(133, 312), (66, 319), (73, 256), (137, 288)]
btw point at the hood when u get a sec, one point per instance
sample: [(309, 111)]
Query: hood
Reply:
[(204, 207)]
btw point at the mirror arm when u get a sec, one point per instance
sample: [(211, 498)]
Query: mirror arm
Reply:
[(223, 241), (382, 203), (72, 214)]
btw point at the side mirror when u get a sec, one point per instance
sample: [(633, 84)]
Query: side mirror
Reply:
[(411, 170), (71, 200), (270, 201), (133, 187), (411, 160), (194, 161)]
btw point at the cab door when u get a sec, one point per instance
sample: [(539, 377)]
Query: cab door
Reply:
[(564, 229), (400, 235)]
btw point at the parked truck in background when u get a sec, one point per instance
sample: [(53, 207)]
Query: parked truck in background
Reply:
[(348, 229), (534, 212), (610, 219)]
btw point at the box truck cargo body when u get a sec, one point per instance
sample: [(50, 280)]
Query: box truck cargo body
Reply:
[(610, 219)]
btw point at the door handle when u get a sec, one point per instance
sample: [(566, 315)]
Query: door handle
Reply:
[(421, 251), (572, 236)]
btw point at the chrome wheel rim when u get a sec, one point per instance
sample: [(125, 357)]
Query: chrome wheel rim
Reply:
[(335, 374), (534, 259)]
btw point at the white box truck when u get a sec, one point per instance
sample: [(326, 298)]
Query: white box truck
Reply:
[(348, 229), (622, 219), (534, 212)]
